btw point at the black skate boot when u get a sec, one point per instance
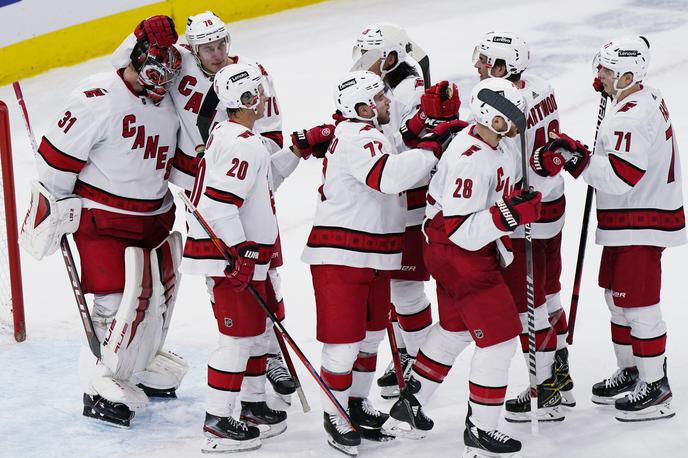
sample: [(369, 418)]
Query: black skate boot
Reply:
[(564, 380), (549, 400), (389, 389), (113, 413), (480, 443), (406, 417), (158, 393), (226, 434), (368, 420), (278, 376), (340, 434), (621, 382), (649, 401), (270, 422)]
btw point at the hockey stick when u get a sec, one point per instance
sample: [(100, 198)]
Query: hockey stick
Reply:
[(516, 116), (419, 55), (398, 370), (292, 370), (218, 244), (575, 294), (66, 250)]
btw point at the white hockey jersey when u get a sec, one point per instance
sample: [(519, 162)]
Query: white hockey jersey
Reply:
[(233, 193), (636, 172), (405, 103), (111, 147), (470, 178), (360, 218), (542, 117)]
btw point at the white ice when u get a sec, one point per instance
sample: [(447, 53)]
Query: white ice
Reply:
[(306, 50)]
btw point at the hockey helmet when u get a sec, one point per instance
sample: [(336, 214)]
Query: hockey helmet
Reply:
[(204, 28), (484, 113), (630, 54), (356, 88), (506, 46), (239, 86), (377, 41)]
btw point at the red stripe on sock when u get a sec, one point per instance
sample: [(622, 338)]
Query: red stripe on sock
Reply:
[(621, 335), (365, 362), (487, 395), (336, 382), (416, 321), (256, 366), (431, 370), (225, 381), (649, 348)]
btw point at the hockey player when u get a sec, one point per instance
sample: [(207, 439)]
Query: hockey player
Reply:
[(208, 51), (233, 191), (505, 55), (103, 168), (472, 206), (385, 49), (636, 173), (355, 242)]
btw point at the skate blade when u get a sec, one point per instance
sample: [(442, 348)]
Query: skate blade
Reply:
[(602, 401), (220, 445), (396, 428), (375, 435), (105, 421), (567, 398), (350, 450), (550, 414), (389, 392), (472, 452), (648, 414)]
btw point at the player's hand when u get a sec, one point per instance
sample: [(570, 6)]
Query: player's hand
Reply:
[(158, 30), (438, 139), (599, 87), (576, 154), (313, 141), (441, 101), (338, 117), (519, 207), (547, 162), (240, 273)]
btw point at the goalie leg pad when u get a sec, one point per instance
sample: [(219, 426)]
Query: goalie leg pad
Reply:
[(47, 220)]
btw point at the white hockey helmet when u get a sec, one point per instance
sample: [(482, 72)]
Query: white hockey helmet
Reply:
[(630, 54), (204, 28), (377, 41), (506, 46), (484, 113), (239, 86), (356, 88)]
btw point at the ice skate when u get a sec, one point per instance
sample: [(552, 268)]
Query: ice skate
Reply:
[(649, 401), (279, 377), (549, 402), (406, 417), (112, 413), (564, 380), (368, 420), (609, 390), (340, 435), (483, 444), (270, 422), (226, 434), (389, 389)]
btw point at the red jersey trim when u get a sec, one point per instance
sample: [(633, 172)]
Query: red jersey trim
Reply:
[(275, 136), (185, 163), (415, 198), (59, 160), (206, 249), (453, 223), (352, 240), (552, 211), (374, 178), (627, 172), (641, 218), (223, 196), (95, 194)]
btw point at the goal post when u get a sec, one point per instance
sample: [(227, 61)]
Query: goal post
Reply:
[(11, 294)]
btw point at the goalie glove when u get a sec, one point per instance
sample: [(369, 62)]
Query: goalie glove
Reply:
[(47, 220)]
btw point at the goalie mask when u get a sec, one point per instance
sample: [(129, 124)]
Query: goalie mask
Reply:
[(239, 86), (157, 68), (505, 46), (378, 41), (484, 113)]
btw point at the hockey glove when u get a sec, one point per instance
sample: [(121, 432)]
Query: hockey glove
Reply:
[(597, 85), (576, 154), (438, 139), (313, 141), (158, 30), (412, 128), (240, 272), (517, 208), (441, 101), (547, 162), (338, 117)]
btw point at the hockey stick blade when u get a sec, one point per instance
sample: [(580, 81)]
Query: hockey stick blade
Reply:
[(503, 105)]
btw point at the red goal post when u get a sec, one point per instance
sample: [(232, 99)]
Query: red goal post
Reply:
[(11, 294)]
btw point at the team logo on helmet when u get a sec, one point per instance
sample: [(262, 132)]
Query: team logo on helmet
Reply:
[(239, 76), (628, 53), (505, 40), (347, 83)]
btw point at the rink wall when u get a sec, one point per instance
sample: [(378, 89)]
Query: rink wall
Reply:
[(37, 35)]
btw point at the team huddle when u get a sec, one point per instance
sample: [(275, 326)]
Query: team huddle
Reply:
[(409, 191)]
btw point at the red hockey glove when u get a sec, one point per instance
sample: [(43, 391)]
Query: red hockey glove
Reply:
[(158, 30), (438, 139), (441, 101), (577, 154), (412, 128), (240, 273), (547, 162), (517, 208), (338, 117), (313, 141)]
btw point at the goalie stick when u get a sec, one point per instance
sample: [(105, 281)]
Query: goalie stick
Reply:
[(583, 235), (259, 300), (516, 116), (66, 250)]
